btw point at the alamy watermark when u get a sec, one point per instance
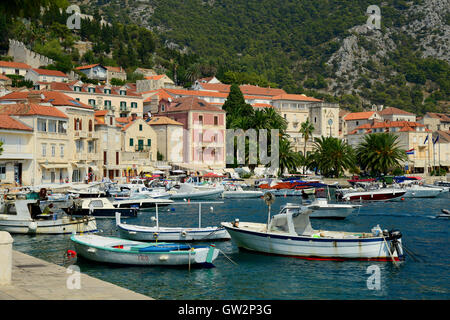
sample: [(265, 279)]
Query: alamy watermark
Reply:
[(73, 21), (374, 280), (74, 280), (374, 20)]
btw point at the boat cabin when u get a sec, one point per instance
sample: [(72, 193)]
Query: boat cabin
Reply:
[(292, 219), (26, 210)]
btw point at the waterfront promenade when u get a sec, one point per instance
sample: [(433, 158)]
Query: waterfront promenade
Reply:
[(36, 279)]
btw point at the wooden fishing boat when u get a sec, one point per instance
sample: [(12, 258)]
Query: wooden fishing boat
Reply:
[(26, 217), (127, 252), (289, 233)]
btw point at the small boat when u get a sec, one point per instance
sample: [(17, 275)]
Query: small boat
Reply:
[(232, 192), (289, 233), (420, 191), (89, 192), (26, 217), (445, 214), (187, 191), (141, 203), (323, 209), (98, 207), (382, 194), (58, 197), (127, 252), (144, 233)]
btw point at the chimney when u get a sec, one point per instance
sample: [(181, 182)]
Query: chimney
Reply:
[(34, 97)]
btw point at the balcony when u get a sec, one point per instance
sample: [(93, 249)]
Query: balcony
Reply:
[(142, 148), (135, 156)]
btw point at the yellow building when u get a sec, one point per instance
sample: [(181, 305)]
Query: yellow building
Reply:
[(49, 142), (139, 145)]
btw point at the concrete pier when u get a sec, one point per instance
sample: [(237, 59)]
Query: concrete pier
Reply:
[(36, 279)]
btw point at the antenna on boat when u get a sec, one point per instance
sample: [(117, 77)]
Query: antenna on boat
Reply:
[(269, 199)]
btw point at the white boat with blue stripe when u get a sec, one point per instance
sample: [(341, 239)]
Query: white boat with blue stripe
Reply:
[(127, 252), (152, 233), (289, 233)]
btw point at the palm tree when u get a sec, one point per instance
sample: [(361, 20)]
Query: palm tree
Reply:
[(288, 159), (306, 129), (332, 156), (380, 153)]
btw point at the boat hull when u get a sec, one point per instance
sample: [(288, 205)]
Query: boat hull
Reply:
[(242, 194), (172, 234), (59, 226), (104, 212), (423, 193), (197, 195), (311, 248), (369, 196), (126, 257)]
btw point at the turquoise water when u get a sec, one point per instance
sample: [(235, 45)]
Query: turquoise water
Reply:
[(258, 276)]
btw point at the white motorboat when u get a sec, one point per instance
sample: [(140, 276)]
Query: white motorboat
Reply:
[(239, 193), (86, 191), (127, 252), (145, 233), (26, 217), (421, 191), (187, 191), (323, 209), (98, 207), (378, 194), (289, 233), (144, 192)]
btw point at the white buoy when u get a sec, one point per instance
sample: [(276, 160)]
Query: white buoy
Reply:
[(211, 208)]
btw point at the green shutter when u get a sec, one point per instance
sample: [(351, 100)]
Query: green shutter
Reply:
[(131, 142), (149, 142)]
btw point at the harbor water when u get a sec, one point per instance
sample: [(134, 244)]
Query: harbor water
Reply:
[(242, 274)]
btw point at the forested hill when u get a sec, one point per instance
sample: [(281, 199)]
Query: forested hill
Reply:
[(313, 46), (318, 47)]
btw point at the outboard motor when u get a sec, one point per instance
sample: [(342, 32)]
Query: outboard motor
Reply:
[(395, 235)]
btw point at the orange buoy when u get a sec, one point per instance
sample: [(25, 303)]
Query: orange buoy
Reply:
[(403, 199)]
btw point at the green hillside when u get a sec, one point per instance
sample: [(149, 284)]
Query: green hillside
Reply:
[(298, 45)]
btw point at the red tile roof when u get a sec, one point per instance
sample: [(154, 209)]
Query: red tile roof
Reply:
[(60, 99), (359, 115), (157, 77), (154, 121), (53, 73), (245, 89), (191, 103), (15, 65), (54, 97), (392, 110), (8, 123), (31, 109), (404, 126), (295, 97), (87, 66)]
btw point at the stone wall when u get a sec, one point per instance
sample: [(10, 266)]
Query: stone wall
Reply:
[(21, 53)]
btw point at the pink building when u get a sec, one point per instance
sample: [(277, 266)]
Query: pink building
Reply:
[(204, 130)]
